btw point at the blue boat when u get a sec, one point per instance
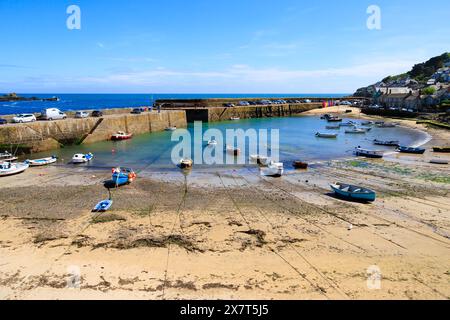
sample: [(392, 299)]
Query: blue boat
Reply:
[(122, 176), (411, 150), (103, 206), (351, 192)]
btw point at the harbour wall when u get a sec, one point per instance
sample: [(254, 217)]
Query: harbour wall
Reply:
[(47, 135)]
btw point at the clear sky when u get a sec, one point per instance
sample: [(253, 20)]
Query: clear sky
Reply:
[(220, 46)]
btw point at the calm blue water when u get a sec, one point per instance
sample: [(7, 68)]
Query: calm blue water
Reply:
[(70, 102), (297, 142)]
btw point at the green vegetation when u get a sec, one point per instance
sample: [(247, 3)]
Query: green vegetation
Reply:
[(435, 178), (394, 78), (429, 90), (434, 123), (423, 71)]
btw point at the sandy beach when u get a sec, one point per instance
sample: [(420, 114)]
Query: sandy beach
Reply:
[(231, 235)]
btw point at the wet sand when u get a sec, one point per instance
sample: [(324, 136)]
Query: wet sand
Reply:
[(230, 234)]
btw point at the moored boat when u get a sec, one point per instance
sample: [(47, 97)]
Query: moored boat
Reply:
[(122, 176), (171, 128), (391, 143), (367, 123), (326, 135), (120, 135), (403, 149), (82, 158), (355, 131), (274, 169), (348, 124), (353, 192), (333, 127), (300, 165), (103, 206), (186, 163), (334, 119), (441, 149), (8, 168), (438, 161), (376, 154), (235, 118), (7, 157), (42, 162), (387, 125)]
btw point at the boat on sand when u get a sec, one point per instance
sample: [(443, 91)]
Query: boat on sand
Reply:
[(41, 162), (352, 192), (82, 158), (403, 149), (392, 143), (376, 154), (103, 206), (441, 149), (8, 168)]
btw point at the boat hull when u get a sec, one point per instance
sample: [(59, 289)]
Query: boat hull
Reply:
[(365, 197), (300, 165), (41, 162), (442, 149), (119, 138), (103, 206), (15, 169), (411, 150)]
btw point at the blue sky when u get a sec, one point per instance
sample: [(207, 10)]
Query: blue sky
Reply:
[(221, 46)]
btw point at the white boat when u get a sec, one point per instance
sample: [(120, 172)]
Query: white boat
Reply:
[(377, 154), (348, 124), (212, 143), (274, 169), (7, 157), (82, 158), (261, 160), (356, 131), (387, 125), (326, 135), (235, 118), (171, 128), (41, 162), (8, 168), (367, 123)]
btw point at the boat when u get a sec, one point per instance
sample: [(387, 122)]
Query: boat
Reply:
[(348, 124), (171, 128), (391, 143), (332, 127), (326, 135), (441, 149), (120, 135), (186, 163), (233, 151), (300, 165), (41, 162), (352, 192), (386, 125), (326, 116), (103, 206), (122, 176), (376, 154), (366, 129), (82, 158), (403, 149), (7, 157), (8, 168), (334, 119), (260, 160), (367, 123), (356, 131), (274, 169), (235, 118), (212, 143), (438, 161)]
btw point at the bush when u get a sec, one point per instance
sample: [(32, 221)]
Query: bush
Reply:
[(429, 91)]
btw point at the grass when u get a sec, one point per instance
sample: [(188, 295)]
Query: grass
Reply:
[(435, 178), (434, 123)]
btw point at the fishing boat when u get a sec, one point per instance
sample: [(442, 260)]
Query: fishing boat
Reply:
[(355, 131), (82, 158), (348, 124), (441, 149), (41, 162), (171, 128), (234, 151), (120, 135), (122, 176), (326, 135), (403, 149), (235, 118), (186, 163), (274, 169), (8, 168), (300, 165), (7, 157), (438, 161), (103, 206), (332, 127), (352, 192), (376, 154), (212, 143), (390, 143)]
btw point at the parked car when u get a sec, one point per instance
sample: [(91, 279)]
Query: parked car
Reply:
[(252, 103), (228, 105), (3, 121), (97, 113), (307, 101), (52, 114), (24, 117), (81, 114), (136, 111), (243, 103)]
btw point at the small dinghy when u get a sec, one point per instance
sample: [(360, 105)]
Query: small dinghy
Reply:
[(355, 131), (387, 125), (411, 150), (367, 123), (103, 206), (334, 119), (326, 135), (186, 163), (348, 124), (333, 127), (441, 149), (376, 154), (171, 128), (235, 118), (8, 168), (82, 158), (7, 157), (300, 165), (122, 176), (274, 169), (438, 161), (234, 151), (391, 143), (42, 162), (351, 192), (120, 135), (326, 116)]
